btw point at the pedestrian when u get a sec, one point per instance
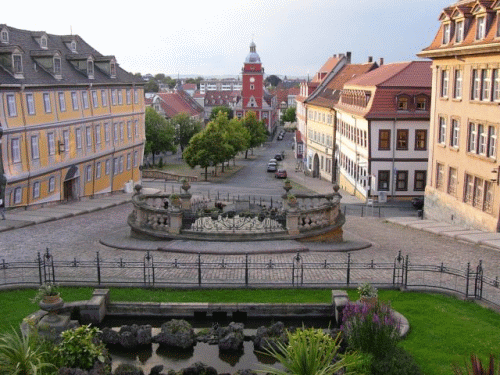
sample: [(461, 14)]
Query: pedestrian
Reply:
[(2, 209)]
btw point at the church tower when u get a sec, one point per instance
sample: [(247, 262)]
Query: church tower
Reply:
[(253, 82)]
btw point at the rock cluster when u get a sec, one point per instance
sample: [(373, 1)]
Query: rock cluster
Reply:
[(128, 336), (176, 332), (267, 337)]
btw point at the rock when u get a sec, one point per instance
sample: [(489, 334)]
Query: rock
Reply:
[(199, 368), (268, 337), (128, 339), (177, 333), (109, 336), (128, 369), (72, 371), (246, 372), (144, 335), (231, 342), (156, 370)]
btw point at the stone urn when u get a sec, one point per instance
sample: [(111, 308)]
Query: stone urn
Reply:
[(52, 304), (175, 200), (291, 201), (185, 185), (287, 186)]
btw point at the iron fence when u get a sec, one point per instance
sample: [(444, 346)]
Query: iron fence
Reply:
[(250, 271)]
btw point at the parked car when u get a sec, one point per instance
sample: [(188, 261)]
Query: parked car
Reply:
[(273, 161), (272, 167), (280, 137), (280, 173), (278, 157)]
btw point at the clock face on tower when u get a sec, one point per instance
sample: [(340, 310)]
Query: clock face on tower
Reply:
[(252, 79)]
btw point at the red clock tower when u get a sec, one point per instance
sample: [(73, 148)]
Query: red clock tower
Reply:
[(253, 95)]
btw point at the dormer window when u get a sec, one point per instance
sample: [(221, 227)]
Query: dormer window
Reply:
[(112, 69), (72, 46), (17, 64), (459, 31), (446, 33), (57, 66), (421, 104), (480, 28), (90, 69), (43, 42), (402, 104), (4, 36)]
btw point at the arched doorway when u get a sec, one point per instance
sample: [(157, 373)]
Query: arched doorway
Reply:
[(71, 184), (316, 166)]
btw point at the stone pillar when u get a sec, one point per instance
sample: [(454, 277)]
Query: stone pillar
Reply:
[(175, 222), (339, 301), (186, 201), (292, 222)]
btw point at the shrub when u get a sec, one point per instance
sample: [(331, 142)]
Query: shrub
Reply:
[(80, 348), (367, 290), (476, 367), (128, 369), (370, 328), (22, 354), (309, 352), (396, 362)]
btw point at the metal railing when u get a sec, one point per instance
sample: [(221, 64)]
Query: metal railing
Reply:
[(250, 271)]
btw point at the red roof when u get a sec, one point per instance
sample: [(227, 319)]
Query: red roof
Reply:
[(176, 102), (189, 86), (325, 69), (403, 74)]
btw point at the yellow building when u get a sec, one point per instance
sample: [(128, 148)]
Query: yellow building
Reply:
[(72, 119), (463, 178)]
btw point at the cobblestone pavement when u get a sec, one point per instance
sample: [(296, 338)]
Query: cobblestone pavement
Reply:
[(78, 237)]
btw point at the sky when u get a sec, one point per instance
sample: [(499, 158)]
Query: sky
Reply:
[(212, 38)]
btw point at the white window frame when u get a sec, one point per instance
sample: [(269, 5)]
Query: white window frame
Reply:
[(46, 102), (15, 145), (129, 96), (482, 139), (455, 133), (136, 96), (446, 33), (35, 151), (472, 138), (17, 63), (492, 142), (442, 130), (129, 161), (445, 82), (78, 136), (104, 98), (120, 97), (459, 31), (107, 166), (85, 99), (136, 158), (74, 100), (52, 184), (98, 134), (115, 132), (88, 136), (11, 105), (113, 97), (30, 104), (120, 163), (476, 84), (57, 66), (496, 84), (485, 84), (62, 101), (36, 189), (51, 143), (129, 129), (18, 195), (480, 27), (88, 173), (66, 140), (98, 170), (90, 69), (107, 133), (457, 88), (95, 101)]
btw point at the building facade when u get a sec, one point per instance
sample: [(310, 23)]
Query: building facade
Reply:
[(169, 104), (225, 84), (464, 170), (73, 120), (382, 128), (254, 97)]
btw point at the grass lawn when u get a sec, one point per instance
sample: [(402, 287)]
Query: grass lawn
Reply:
[(444, 329)]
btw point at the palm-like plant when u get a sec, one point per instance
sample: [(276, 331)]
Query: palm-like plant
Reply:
[(309, 352), (22, 355), (476, 367)]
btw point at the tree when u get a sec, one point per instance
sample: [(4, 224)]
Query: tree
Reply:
[(159, 133), (208, 147), (290, 115), (237, 136), (151, 86), (273, 80), (256, 128), (160, 77), (215, 111), (185, 127)]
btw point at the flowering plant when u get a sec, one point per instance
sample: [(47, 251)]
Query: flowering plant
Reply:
[(367, 290), (370, 328)]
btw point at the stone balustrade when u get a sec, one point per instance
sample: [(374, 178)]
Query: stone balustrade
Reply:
[(308, 217)]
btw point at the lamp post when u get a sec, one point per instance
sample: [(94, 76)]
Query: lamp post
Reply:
[(3, 179)]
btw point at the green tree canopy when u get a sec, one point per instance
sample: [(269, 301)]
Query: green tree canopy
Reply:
[(256, 128), (185, 127), (215, 111), (290, 115), (208, 147), (273, 80), (237, 136), (151, 86), (159, 133)]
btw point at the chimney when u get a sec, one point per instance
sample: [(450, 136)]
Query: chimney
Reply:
[(341, 55), (348, 54), (370, 59), (381, 61), (335, 56)]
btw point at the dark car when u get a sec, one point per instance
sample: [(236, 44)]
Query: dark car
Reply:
[(278, 157), (280, 173), (272, 167), (280, 137)]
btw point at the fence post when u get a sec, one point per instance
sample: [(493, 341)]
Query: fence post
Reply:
[(362, 211), (478, 290), (199, 269), (98, 269), (467, 273), (246, 269), (348, 268), (407, 263), (40, 268), (379, 211)]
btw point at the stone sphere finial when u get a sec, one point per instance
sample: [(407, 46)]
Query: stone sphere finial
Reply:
[(138, 188), (336, 187)]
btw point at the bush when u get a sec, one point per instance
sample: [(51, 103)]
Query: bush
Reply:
[(128, 369), (80, 348), (309, 352), (396, 362), (370, 328), (22, 354)]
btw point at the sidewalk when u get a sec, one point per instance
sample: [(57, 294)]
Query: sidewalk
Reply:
[(22, 218)]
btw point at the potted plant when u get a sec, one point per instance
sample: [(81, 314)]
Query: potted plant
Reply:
[(185, 184), (367, 293), (175, 199), (291, 199), (47, 293), (288, 185)]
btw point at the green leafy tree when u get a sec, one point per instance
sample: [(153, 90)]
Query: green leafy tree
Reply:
[(256, 128), (151, 86), (208, 147), (185, 127), (290, 115), (221, 108), (159, 77), (237, 136), (159, 133), (273, 80)]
